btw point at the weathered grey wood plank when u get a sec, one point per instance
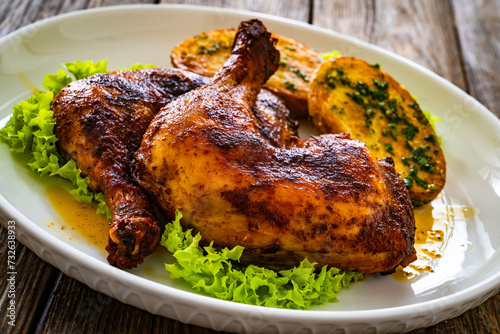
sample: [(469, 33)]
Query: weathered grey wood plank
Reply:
[(478, 27), (292, 9), (12, 16), (18, 13)]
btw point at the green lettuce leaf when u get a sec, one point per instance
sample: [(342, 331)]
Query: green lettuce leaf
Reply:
[(218, 273), (82, 69), (433, 119), (56, 82), (139, 67)]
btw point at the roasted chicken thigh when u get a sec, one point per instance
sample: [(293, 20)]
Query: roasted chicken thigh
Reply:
[(326, 198)]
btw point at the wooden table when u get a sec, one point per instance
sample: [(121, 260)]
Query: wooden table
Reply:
[(457, 39)]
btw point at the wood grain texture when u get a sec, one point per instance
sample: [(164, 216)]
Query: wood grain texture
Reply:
[(457, 39), (478, 27), (292, 9), (18, 13)]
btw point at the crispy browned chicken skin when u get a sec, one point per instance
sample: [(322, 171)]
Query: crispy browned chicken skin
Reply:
[(100, 122), (326, 198)]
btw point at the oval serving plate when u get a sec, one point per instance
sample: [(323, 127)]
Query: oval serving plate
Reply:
[(145, 34)]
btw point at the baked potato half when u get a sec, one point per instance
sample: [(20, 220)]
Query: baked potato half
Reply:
[(347, 94), (206, 52)]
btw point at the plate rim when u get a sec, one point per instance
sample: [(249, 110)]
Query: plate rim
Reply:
[(485, 287)]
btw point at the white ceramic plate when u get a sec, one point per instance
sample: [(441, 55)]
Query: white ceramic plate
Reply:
[(146, 34)]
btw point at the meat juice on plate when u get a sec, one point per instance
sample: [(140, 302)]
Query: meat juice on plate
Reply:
[(441, 239)]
